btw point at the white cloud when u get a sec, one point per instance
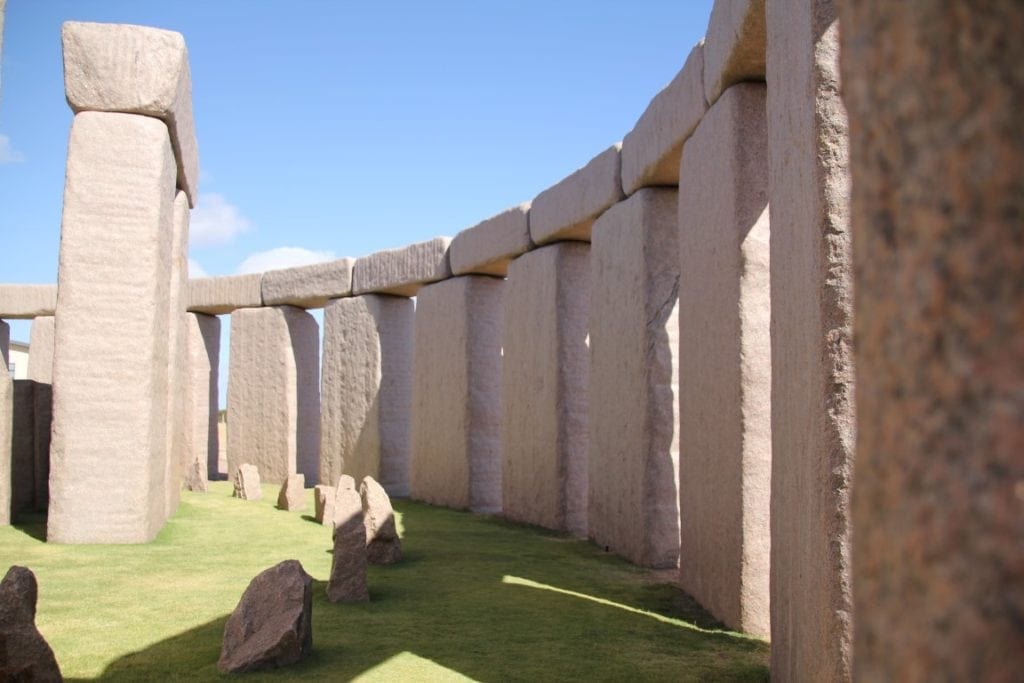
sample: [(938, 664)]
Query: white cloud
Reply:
[(9, 155), (215, 221), (283, 257), (196, 270)]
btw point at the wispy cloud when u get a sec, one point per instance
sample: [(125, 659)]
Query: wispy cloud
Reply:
[(196, 270), (215, 221), (283, 257), (9, 155)]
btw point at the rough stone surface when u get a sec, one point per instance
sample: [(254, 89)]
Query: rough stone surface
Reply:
[(323, 500), (367, 389), (734, 47), (18, 302), (309, 286), (935, 92), (274, 393), (24, 653), (6, 422), (812, 365), (272, 626), (40, 344), (220, 295), (247, 482), (456, 413), (135, 70), (633, 414), (42, 421), (348, 565), (650, 152), (23, 465), (404, 270), (567, 209), (202, 438), (725, 362), (293, 493), (487, 247), (178, 370), (382, 543), (544, 388), (110, 416)]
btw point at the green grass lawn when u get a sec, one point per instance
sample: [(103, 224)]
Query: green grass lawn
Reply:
[(474, 597)]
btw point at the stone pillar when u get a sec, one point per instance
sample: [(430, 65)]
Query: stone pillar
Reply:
[(274, 393), (935, 92), (23, 474), (40, 371), (544, 388), (812, 365), (202, 345), (177, 384), (725, 361), (40, 360), (6, 421), (456, 399), (366, 391), (633, 412)]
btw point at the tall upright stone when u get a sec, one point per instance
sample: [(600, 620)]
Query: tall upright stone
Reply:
[(6, 420), (725, 362), (23, 465), (633, 414), (366, 394), (544, 388), (274, 393), (935, 92), (40, 344), (202, 442), (456, 405), (177, 383), (812, 365), (40, 371)]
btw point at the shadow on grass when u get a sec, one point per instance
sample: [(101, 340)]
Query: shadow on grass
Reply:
[(490, 600), (32, 524)]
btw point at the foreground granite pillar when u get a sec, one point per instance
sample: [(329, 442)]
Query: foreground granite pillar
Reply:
[(366, 398), (177, 384), (812, 355), (935, 92), (201, 447), (6, 420), (456, 399), (274, 393), (544, 388), (634, 448), (725, 362)]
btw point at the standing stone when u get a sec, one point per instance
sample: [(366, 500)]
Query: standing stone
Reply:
[(273, 392), (202, 438), (110, 415), (24, 653), (725, 362), (178, 380), (40, 360), (348, 566), (633, 412), (456, 414), (293, 493), (6, 422), (323, 500), (247, 482), (544, 388), (935, 92), (367, 390), (40, 370), (23, 456), (382, 543), (812, 365)]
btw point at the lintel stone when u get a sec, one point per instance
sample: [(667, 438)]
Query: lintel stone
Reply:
[(487, 247), (309, 286), (735, 46), (404, 270), (22, 302), (217, 295)]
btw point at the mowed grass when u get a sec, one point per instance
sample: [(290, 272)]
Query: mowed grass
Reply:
[(475, 597)]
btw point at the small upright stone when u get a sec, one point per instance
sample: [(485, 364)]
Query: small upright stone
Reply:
[(24, 653), (293, 493), (323, 499), (247, 483), (348, 567), (382, 543)]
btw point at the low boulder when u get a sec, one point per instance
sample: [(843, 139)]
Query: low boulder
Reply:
[(293, 493), (348, 564), (323, 497), (382, 543), (247, 483), (24, 653)]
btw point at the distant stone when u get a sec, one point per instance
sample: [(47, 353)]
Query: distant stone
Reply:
[(293, 493), (247, 483), (348, 567), (402, 271), (323, 500), (382, 543), (27, 301), (272, 625), (24, 653), (345, 483), (220, 295)]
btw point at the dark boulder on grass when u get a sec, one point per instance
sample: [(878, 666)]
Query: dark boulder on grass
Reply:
[(382, 543), (272, 625), (24, 653)]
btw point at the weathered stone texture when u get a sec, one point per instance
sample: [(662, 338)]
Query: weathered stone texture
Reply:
[(220, 295), (382, 543), (40, 344), (135, 70), (456, 412), (633, 461), (734, 47), (247, 482), (650, 152), (27, 301), (273, 392), (487, 247), (725, 362), (567, 209), (24, 653), (935, 92), (367, 389), (348, 564), (178, 377), (544, 388), (404, 270), (202, 438), (109, 447), (6, 422), (309, 286), (323, 501), (293, 493), (811, 329)]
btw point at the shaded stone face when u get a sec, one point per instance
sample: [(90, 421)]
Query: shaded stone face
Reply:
[(24, 653), (382, 543), (247, 482), (202, 437), (348, 563)]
